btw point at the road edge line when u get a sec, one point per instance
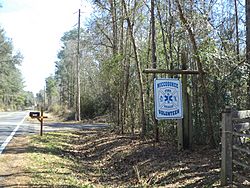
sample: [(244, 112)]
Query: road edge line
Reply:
[(8, 139)]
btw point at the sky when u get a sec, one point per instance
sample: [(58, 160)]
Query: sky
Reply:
[(35, 27)]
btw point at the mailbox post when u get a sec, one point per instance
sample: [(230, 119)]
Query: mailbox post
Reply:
[(39, 116), (41, 122)]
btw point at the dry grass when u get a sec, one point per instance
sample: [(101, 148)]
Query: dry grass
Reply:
[(127, 161), (13, 162), (100, 158)]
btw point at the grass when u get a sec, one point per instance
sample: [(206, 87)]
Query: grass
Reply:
[(99, 158), (50, 163)]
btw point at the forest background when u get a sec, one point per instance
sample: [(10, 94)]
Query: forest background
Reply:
[(122, 39)]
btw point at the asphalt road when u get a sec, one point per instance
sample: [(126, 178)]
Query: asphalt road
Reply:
[(14, 124), (11, 123)]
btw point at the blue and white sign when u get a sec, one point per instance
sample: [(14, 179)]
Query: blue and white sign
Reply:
[(168, 99)]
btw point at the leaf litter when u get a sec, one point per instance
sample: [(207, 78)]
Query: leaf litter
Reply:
[(101, 158)]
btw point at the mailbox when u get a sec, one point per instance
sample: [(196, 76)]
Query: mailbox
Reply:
[(34, 114)]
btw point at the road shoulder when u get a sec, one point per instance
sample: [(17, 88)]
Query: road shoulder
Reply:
[(13, 162)]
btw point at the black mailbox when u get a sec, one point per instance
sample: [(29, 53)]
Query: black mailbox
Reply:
[(34, 114)]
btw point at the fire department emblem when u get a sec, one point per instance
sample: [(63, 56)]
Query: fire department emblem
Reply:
[(168, 98)]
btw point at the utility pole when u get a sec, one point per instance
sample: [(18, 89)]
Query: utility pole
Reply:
[(78, 96), (44, 98)]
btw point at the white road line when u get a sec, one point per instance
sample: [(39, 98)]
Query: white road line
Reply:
[(7, 123), (3, 115), (6, 142)]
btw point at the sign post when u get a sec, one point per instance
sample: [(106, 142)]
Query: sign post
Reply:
[(173, 102), (41, 122)]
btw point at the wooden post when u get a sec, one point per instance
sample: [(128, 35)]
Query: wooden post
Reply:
[(164, 71), (190, 121), (182, 125), (180, 134), (39, 116), (41, 123), (187, 111), (119, 116), (226, 151)]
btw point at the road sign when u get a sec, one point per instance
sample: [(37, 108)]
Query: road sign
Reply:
[(168, 99)]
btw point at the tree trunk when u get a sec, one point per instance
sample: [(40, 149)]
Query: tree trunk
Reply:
[(237, 31), (154, 64), (248, 49), (163, 36), (203, 83), (126, 80), (139, 72), (148, 99), (170, 34), (114, 26)]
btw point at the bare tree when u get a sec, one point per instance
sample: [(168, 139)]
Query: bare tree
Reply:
[(248, 49), (202, 79), (139, 72), (154, 64)]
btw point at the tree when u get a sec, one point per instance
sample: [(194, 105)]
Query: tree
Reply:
[(207, 112), (154, 64), (118, 42), (65, 69), (11, 83), (139, 72), (51, 89), (248, 49)]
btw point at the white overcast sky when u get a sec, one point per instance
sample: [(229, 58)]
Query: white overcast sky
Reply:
[(35, 27)]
